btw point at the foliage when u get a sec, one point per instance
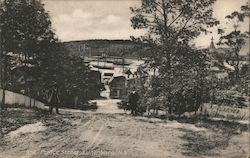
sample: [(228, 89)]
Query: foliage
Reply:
[(169, 22), (188, 86), (34, 60), (25, 25), (74, 81), (245, 79), (171, 25), (71, 76), (235, 39), (27, 35)]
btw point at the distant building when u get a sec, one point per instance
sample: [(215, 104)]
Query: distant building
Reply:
[(212, 46), (220, 63), (122, 85), (118, 87)]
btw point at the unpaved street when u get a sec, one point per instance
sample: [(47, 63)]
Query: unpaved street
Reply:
[(118, 135)]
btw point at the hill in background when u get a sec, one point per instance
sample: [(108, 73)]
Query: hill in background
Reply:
[(126, 48)]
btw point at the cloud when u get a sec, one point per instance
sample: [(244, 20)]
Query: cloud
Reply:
[(110, 19), (83, 25), (91, 20), (220, 13)]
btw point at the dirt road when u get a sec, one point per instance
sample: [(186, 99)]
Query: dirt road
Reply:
[(118, 135)]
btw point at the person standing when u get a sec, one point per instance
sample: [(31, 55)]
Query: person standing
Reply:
[(133, 99), (54, 100)]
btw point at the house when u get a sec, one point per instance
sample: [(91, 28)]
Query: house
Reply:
[(122, 85), (118, 87)]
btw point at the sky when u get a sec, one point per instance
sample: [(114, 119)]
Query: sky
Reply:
[(110, 19)]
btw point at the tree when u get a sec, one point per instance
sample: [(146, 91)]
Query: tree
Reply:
[(26, 27), (27, 35), (235, 39), (36, 60), (74, 81), (169, 22), (70, 74), (171, 25), (2, 71)]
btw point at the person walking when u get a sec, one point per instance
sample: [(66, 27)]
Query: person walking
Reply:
[(133, 99)]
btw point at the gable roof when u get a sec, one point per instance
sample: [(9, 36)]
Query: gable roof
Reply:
[(116, 78)]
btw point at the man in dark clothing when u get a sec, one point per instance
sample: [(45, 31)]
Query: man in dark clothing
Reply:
[(133, 99), (54, 100)]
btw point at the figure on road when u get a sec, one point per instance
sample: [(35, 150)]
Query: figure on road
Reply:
[(54, 100), (133, 100)]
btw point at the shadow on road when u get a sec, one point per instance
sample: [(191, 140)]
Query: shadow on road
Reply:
[(212, 141)]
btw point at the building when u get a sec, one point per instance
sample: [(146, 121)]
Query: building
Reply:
[(223, 60), (122, 85), (118, 87), (212, 46)]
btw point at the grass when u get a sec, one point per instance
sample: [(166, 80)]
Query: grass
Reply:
[(15, 116), (218, 134), (201, 145), (227, 112), (216, 138)]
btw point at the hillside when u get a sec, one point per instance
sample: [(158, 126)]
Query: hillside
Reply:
[(103, 47)]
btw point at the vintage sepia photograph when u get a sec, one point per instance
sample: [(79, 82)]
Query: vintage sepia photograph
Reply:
[(124, 79)]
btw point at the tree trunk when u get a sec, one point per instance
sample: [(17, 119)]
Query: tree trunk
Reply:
[(237, 70), (3, 85), (3, 99), (76, 101), (170, 108), (2, 72)]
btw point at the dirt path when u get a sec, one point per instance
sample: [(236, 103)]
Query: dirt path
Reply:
[(109, 132), (108, 105), (118, 135), (95, 136)]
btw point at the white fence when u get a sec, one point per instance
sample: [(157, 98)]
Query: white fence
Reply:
[(15, 98)]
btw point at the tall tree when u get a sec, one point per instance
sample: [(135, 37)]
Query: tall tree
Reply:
[(41, 60), (169, 21), (235, 39), (2, 75), (171, 25), (27, 34)]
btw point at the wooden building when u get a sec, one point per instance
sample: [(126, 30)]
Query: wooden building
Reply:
[(118, 87)]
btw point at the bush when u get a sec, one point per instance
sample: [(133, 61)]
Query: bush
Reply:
[(124, 105)]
